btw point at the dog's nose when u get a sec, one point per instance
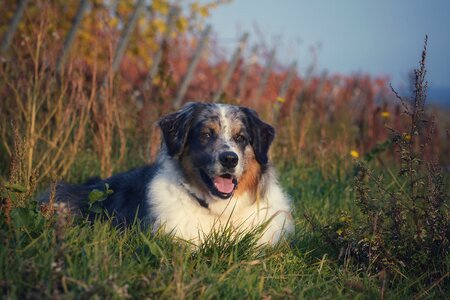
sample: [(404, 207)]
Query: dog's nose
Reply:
[(228, 159)]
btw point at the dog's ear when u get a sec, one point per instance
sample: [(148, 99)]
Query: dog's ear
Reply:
[(175, 127), (261, 135)]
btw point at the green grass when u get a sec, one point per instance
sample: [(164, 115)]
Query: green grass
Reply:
[(71, 259)]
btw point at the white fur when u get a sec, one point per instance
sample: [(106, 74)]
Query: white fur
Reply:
[(176, 210)]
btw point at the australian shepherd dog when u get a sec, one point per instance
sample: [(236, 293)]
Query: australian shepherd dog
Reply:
[(212, 170)]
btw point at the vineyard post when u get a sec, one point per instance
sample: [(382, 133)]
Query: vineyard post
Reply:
[(7, 38), (246, 69), (231, 67), (307, 82), (283, 90), (123, 42), (322, 81), (171, 18), (192, 66), (71, 35), (265, 76)]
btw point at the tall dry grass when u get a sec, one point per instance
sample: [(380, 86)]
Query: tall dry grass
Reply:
[(48, 112), (90, 108)]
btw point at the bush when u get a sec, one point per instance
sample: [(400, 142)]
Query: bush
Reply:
[(404, 224)]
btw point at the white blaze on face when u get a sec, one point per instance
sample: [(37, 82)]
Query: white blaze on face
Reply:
[(225, 124), (226, 133)]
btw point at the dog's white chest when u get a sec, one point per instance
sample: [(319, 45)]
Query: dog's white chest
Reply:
[(175, 211)]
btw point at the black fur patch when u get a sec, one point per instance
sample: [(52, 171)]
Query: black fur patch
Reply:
[(261, 135), (176, 126), (125, 204)]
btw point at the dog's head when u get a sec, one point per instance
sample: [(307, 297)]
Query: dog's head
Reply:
[(220, 147)]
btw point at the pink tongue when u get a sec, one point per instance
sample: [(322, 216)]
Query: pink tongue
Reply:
[(224, 185)]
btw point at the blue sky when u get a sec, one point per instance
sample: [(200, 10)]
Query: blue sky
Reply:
[(376, 37)]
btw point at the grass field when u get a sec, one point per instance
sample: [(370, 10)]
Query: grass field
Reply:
[(62, 258), (359, 234)]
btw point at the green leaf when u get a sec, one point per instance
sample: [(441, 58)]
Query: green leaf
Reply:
[(15, 187), (96, 195)]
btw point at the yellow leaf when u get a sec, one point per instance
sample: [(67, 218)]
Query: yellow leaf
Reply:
[(204, 11), (160, 25), (160, 6), (124, 8), (195, 7), (113, 22), (182, 24)]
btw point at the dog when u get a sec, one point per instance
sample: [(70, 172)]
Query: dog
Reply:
[(212, 170)]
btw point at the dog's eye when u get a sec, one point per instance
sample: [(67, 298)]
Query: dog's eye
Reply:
[(240, 139), (206, 135)]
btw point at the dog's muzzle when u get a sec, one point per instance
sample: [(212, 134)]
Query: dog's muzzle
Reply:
[(223, 184)]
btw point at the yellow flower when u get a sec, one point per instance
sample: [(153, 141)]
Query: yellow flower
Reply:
[(406, 137), (385, 114), (339, 231), (281, 100), (354, 153)]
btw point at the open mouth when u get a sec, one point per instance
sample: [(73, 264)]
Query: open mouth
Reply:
[(221, 186)]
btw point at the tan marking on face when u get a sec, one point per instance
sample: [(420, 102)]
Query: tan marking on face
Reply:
[(250, 178), (212, 125), (237, 128)]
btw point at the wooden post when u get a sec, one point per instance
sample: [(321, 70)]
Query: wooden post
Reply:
[(171, 18), (231, 67), (285, 86), (7, 38), (246, 69), (192, 66), (71, 35), (283, 90), (123, 42), (265, 76), (306, 83)]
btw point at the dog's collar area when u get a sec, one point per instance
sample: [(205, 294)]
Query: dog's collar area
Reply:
[(200, 201)]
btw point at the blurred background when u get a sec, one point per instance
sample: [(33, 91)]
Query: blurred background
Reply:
[(82, 83), (379, 38)]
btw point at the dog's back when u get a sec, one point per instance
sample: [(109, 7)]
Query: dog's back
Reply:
[(127, 202)]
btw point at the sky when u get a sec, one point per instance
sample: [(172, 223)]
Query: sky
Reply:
[(383, 37)]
